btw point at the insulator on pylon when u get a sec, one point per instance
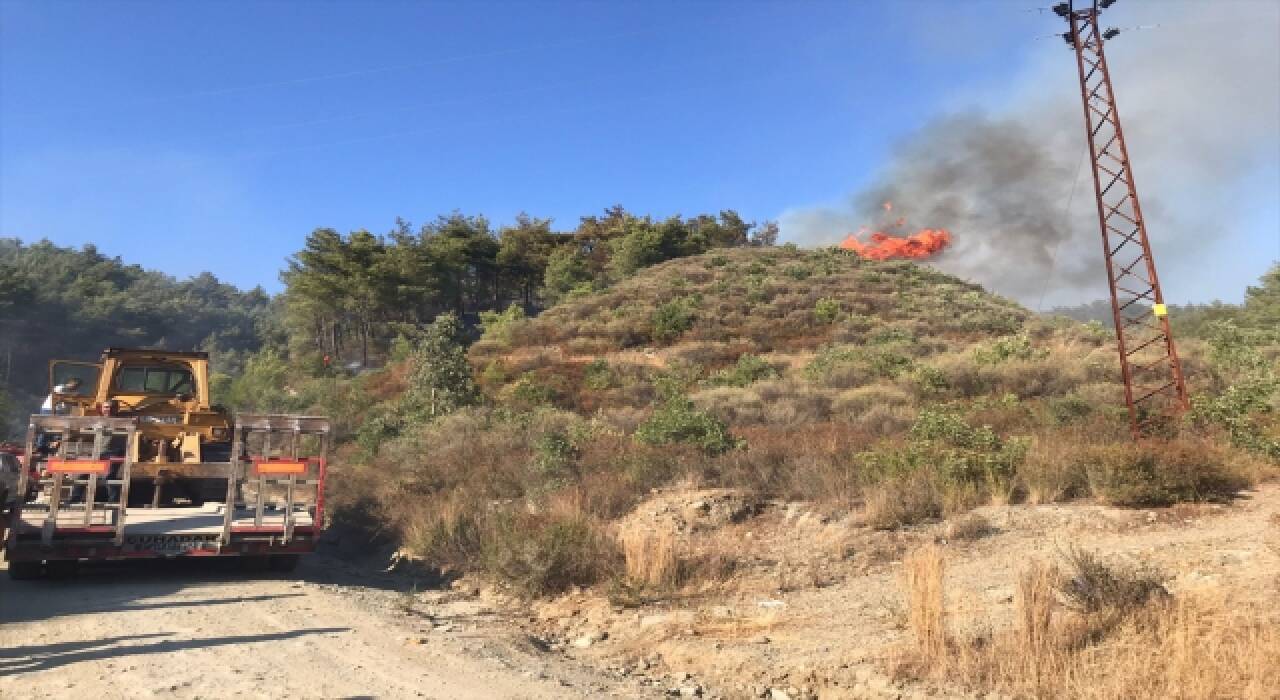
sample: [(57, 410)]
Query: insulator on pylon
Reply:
[(1104, 4), (1062, 9), (1111, 33), (1066, 36)]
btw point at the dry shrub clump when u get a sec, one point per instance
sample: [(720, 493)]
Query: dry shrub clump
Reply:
[(969, 527), (657, 561), (902, 500), (1164, 472), (539, 554)]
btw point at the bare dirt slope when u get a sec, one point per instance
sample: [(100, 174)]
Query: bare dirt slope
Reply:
[(209, 631), (815, 606)]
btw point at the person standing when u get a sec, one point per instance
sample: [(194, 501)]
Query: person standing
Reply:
[(68, 387)]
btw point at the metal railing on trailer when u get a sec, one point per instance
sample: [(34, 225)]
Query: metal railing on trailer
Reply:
[(274, 452), (86, 457), (274, 497)]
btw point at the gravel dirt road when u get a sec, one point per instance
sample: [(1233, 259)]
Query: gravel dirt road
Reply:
[(209, 630)]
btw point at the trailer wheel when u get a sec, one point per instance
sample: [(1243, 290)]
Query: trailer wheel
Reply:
[(62, 568), (284, 563), (24, 570)]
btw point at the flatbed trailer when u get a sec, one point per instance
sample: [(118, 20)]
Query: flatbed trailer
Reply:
[(79, 508)]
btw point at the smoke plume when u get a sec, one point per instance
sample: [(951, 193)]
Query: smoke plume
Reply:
[(1199, 98)]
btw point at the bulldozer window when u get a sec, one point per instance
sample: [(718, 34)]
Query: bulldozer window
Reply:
[(155, 380), (63, 373)]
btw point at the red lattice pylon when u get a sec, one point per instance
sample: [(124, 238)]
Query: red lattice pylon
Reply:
[(1153, 385)]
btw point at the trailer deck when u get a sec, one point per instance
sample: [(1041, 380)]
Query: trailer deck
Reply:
[(206, 519)]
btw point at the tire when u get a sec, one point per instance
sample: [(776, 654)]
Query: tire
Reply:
[(284, 563), (25, 570), (254, 562), (62, 568)]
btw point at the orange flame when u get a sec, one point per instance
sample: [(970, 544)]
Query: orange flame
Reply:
[(882, 246)]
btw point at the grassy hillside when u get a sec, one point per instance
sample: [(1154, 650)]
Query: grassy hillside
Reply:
[(882, 388)]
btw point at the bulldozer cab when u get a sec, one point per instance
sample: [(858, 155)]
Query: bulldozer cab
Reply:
[(131, 382), (137, 379), (73, 385)]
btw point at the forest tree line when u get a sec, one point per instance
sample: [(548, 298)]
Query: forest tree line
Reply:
[(348, 296)]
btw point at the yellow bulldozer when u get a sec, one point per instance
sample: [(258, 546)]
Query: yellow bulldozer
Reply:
[(166, 393)]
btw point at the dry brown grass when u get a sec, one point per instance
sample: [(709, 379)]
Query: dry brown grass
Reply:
[(651, 557), (922, 576), (1203, 647), (1196, 648)]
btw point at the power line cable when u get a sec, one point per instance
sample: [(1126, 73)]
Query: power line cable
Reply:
[(1053, 250)]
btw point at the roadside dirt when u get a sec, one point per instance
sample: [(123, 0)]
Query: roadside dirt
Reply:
[(211, 631)]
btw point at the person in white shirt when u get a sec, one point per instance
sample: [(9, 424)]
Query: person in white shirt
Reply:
[(68, 387)]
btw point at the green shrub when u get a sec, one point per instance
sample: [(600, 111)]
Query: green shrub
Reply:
[(749, 368), (1069, 408), (1161, 473), (677, 420), (528, 392), (498, 325), (672, 318), (554, 455), (965, 454), (889, 364), (597, 375), (930, 379), (1010, 347), (797, 272), (886, 335), (827, 310), (845, 365)]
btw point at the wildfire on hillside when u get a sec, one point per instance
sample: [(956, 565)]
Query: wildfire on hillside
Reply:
[(884, 246)]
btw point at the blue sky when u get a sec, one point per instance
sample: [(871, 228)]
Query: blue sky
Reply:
[(216, 135)]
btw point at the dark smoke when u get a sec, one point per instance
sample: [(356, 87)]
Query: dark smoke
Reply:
[(1202, 119)]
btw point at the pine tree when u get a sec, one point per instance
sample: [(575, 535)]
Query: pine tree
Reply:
[(441, 382)]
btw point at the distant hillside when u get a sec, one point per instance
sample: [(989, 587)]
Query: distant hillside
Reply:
[(886, 388)]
